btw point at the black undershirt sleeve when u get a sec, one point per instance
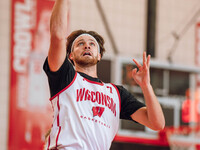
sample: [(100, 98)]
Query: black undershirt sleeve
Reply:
[(129, 104), (60, 79)]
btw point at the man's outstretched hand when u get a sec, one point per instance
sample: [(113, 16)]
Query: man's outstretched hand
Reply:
[(142, 76)]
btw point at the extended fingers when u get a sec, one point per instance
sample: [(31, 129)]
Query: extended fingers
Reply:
[(137, 63), (146, 61)]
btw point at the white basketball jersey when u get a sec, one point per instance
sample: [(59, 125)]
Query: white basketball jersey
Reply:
[(86, 116)]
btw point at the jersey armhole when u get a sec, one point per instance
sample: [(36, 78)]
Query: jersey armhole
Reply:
[(118, 96), (64, 88)]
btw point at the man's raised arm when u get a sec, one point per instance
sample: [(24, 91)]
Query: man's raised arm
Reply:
[(58, 30), (151, 115)]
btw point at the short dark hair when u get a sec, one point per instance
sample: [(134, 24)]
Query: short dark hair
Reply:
[(76, 33)]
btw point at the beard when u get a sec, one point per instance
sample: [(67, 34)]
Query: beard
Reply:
[(86, 61)]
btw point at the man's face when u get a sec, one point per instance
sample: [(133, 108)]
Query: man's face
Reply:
[(85, 51)]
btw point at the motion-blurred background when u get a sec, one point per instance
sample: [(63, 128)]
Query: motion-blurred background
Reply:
[(169, 30)]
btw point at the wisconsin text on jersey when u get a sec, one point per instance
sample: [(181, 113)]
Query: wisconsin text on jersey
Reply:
[(96, 96)]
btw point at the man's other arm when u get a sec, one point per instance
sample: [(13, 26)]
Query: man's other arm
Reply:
[(58, 30)]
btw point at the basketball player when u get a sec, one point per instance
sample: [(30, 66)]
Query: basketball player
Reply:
[(86, 110)]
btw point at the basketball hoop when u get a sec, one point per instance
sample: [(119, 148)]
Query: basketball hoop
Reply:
[(183, 138)]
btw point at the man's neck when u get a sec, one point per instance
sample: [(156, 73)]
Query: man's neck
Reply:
[(91, 70)]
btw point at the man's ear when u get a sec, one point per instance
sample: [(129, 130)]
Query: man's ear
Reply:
[(99, 57), (71, 56)]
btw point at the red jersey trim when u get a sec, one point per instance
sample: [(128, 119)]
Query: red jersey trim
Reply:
[(118, 96), (93, 82), (58, 122), (64, 88), (57, 137), (58, 117)]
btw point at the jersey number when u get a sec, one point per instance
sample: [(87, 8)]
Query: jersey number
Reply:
[(110, 88)]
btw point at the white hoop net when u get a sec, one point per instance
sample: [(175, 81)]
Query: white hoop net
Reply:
[(184, 139)]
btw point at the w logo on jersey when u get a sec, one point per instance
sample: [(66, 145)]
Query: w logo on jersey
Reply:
[(97, 111)]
